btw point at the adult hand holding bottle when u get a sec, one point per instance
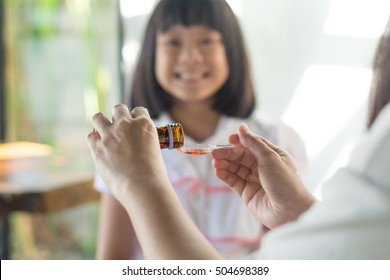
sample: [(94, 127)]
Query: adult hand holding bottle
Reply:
[(127, 149), (126, 153)]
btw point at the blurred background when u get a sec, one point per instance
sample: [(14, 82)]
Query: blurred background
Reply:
[(64, 60)]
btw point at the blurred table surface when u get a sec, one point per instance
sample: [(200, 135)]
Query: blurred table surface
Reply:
[(35, 179)]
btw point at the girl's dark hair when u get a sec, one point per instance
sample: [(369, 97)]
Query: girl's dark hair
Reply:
[(235, 98), (380, 86)]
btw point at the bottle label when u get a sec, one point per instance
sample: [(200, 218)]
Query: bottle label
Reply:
[(170, 134)]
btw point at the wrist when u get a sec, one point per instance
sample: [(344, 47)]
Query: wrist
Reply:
[(304, 204), (141, 191)]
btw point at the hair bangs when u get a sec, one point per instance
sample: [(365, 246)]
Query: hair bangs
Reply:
[(188, 13)]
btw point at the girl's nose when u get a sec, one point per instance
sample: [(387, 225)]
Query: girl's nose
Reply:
[(191, 53)]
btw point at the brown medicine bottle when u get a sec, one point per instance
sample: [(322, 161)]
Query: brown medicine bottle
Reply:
[(171, 136)]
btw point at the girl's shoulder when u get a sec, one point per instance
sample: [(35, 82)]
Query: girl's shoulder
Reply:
[(162, 119)]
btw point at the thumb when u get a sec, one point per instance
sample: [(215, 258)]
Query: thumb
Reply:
[(254, 143), (264, 151)]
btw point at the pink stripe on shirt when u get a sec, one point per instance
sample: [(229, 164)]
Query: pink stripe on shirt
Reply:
[(218, 189), (234, 239), (196, 184)]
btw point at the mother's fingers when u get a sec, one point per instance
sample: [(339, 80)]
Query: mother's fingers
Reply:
[(231, 179), (237, 155), (100, 123), (140, 112), (93, 136), (120, 111), (233, 168), (259, 147)]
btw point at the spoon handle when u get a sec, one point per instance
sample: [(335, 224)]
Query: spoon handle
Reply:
[(201, 149), (221, 146)]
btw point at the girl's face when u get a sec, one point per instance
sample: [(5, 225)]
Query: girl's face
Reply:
[(191, 62)]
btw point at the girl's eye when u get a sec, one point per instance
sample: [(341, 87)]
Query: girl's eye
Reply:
[(173, 43), (207, 41)]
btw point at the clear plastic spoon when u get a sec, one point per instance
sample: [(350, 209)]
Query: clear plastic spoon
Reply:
[(201, 149)]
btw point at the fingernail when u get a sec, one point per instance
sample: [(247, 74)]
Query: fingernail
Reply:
[(245, 128)]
